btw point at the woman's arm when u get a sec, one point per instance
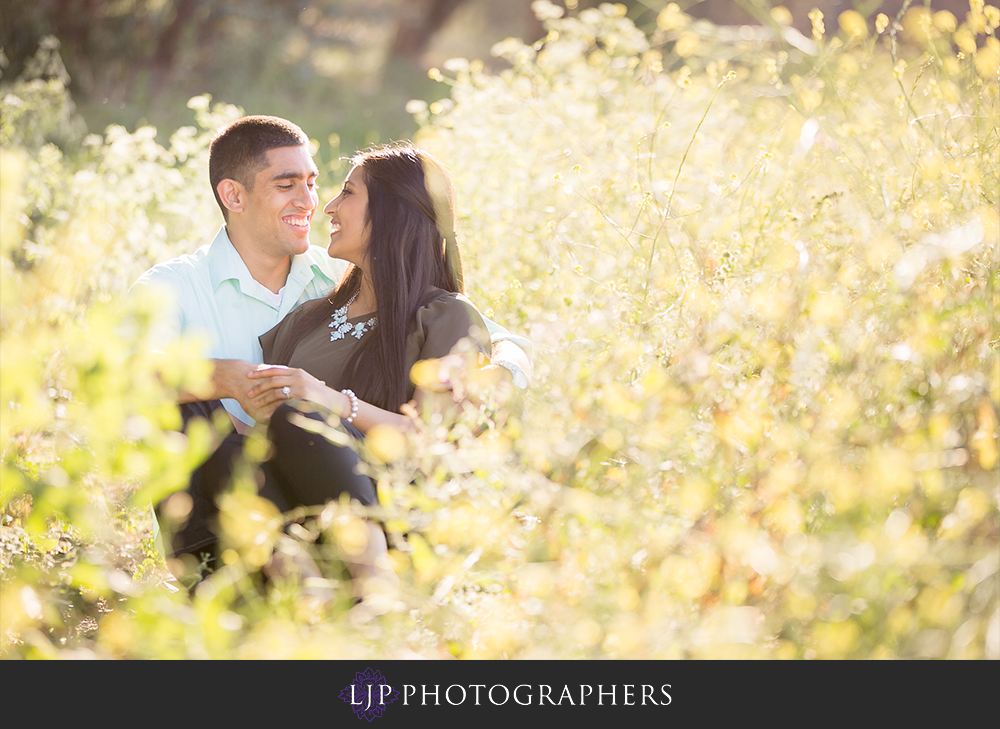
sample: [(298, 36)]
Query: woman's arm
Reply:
[(267, 394)]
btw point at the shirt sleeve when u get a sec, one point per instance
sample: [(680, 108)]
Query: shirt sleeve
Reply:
[(499, 334), (442, 323), (158, 295)]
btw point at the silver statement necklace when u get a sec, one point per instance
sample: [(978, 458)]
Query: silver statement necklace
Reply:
[(341, 328)]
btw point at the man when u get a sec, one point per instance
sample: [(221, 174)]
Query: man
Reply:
[(259, 267)]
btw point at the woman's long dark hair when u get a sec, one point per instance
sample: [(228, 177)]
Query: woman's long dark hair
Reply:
[(411, 252)]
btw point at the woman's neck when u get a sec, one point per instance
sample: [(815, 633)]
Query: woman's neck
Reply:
[(366, 302)]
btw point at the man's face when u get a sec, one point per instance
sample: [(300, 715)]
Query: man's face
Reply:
[(280, 207)]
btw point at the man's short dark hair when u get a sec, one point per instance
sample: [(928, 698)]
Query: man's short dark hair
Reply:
[(239, 151)]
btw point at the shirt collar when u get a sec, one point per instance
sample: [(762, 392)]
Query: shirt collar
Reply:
[(304, 271), (225, 264), (301, 272)]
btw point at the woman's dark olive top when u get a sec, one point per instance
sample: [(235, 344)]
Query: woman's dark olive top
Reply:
[(437, 327)]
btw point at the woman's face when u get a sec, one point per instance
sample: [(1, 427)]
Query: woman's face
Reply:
[(348, 217)]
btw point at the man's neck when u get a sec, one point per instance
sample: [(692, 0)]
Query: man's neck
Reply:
[(269, 271)]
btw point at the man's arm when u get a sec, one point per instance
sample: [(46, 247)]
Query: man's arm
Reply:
[(161, 293), (229, 380), (510, 352), (512, 358)]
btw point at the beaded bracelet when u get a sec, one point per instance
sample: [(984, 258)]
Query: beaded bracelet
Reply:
[(354, 405)]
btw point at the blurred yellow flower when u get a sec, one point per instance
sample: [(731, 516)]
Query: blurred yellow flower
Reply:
[(854, 24), (818, 27), (251, 524), (687, 45), (988, 59), (965, 40), (386, 443), (944, 20), (992, 13), (672, 18), (780, 14), (977, 23)]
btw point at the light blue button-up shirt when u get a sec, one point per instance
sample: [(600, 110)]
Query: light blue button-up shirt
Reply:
[(212, 294)]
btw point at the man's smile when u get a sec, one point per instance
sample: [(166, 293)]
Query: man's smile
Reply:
[(300, 222)]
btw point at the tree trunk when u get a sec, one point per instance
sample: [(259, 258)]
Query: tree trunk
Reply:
[(418, 21)]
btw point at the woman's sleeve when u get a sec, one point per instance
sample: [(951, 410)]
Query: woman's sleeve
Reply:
[(442, 323), (273, 340), (269, 343)]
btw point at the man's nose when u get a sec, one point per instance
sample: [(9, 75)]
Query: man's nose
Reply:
[(306, 198)]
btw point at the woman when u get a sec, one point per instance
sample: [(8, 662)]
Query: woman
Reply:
[(400, 301)]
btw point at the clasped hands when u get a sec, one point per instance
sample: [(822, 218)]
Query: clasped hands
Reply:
[(259, 389), (274, 384)]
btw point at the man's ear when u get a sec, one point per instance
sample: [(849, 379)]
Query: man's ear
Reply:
[(232, 194)]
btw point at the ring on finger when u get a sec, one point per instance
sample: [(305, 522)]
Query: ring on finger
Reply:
[(286, 391)]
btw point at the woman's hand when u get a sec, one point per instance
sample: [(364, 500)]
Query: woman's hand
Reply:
[(269, 392)]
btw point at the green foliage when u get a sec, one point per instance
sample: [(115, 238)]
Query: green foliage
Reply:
[(86, 421), (760, 275), (326, 64)]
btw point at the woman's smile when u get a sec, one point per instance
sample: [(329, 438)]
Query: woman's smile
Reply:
[(349, 220)]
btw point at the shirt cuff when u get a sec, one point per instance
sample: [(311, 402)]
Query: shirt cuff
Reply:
[(499, 334), (520, 378)]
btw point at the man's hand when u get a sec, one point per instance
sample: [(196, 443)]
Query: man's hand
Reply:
[(270, 383), (229, 380), (451, 383)]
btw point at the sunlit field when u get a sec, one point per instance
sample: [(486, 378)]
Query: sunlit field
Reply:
[(760, 273)]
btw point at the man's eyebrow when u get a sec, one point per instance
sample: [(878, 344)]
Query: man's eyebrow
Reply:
[(295, 175)]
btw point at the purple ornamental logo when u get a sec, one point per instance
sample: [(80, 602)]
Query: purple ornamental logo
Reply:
[(369, 694)]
